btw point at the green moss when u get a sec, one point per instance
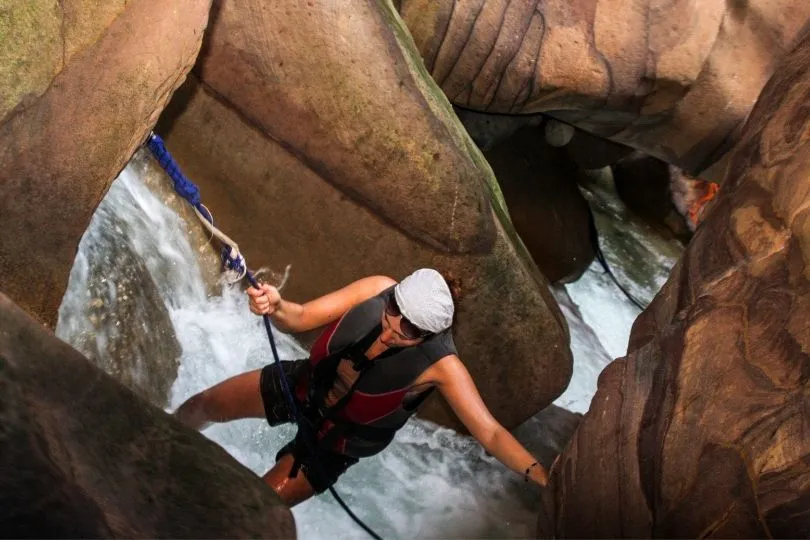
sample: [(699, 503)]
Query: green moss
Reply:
[(442, 108), (30, 49), (87, 21)]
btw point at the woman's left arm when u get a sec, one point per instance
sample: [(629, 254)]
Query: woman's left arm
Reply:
[(456, 385)]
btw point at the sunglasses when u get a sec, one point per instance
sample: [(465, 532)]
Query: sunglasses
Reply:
[(409, 330)]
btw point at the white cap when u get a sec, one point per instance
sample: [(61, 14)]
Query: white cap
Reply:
[(424, 298)]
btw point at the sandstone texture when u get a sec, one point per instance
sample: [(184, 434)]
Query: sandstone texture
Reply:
[(673, 79), (83, 83), (81, 456), (342, 90), (701, 431)]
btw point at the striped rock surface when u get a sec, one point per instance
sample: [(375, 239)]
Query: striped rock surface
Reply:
[(675, 79), (702, 430)]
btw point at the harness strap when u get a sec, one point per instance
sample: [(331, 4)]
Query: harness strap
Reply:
[(235, 262), (323, 376), (322, 379)]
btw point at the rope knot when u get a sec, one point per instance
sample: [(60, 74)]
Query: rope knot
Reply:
[(234, 262)]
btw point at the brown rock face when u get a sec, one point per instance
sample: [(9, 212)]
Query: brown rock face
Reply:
[(673, 79), (67, 130), (347, 98), (592, 152), (702, 430), (341, 157), (646, 185), (83, 457), (539, 184), (510, 332)]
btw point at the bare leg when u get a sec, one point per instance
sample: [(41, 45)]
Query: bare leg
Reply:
[(291, 490), (232, 399)]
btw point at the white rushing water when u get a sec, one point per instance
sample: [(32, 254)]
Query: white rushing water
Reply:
[(430, 483), (600, 316)]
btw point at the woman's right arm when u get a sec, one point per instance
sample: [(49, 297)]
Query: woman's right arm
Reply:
[(291, 317)]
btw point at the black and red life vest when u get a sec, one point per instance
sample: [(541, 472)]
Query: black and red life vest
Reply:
[(364, 420)]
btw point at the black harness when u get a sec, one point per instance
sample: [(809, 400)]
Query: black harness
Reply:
[(322, 379)]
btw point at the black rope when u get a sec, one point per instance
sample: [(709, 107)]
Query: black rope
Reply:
[(600, 256), (234, 261), (300, 420)]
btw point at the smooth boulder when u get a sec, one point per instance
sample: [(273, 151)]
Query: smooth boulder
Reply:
[(83, 87), (342, 90), (82, 456), (539, 184)]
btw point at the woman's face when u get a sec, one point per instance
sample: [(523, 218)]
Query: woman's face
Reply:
[(397, 331)]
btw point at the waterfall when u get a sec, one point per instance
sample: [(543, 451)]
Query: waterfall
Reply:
[(136, 287)]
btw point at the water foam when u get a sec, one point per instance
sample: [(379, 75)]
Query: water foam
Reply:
[(430, 483)]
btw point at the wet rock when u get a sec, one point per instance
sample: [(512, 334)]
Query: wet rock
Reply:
[(81, 456), (122, 325), (547, 433), (702, 429), (283, 212), (552, 218), (200, 239), (558, 134), (81, 85), (675, 80), (647, 186), (592, 152)]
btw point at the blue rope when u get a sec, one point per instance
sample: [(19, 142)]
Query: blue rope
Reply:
[(191, 193), (182, 185)]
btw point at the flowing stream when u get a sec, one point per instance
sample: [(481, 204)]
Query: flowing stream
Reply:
[(136, 293)]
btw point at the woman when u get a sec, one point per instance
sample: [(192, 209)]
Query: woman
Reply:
[(386, 347)]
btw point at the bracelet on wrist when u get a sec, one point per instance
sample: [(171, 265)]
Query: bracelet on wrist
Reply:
[(528, 469)]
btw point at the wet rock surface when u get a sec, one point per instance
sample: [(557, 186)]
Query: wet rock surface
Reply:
[(123, 325), (539, 184), (701, 429), (81, 456), (67, 129)]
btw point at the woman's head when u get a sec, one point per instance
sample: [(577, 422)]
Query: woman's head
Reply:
[(424, 299)]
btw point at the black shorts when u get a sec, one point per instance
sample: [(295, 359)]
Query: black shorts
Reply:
[(321, 467)]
